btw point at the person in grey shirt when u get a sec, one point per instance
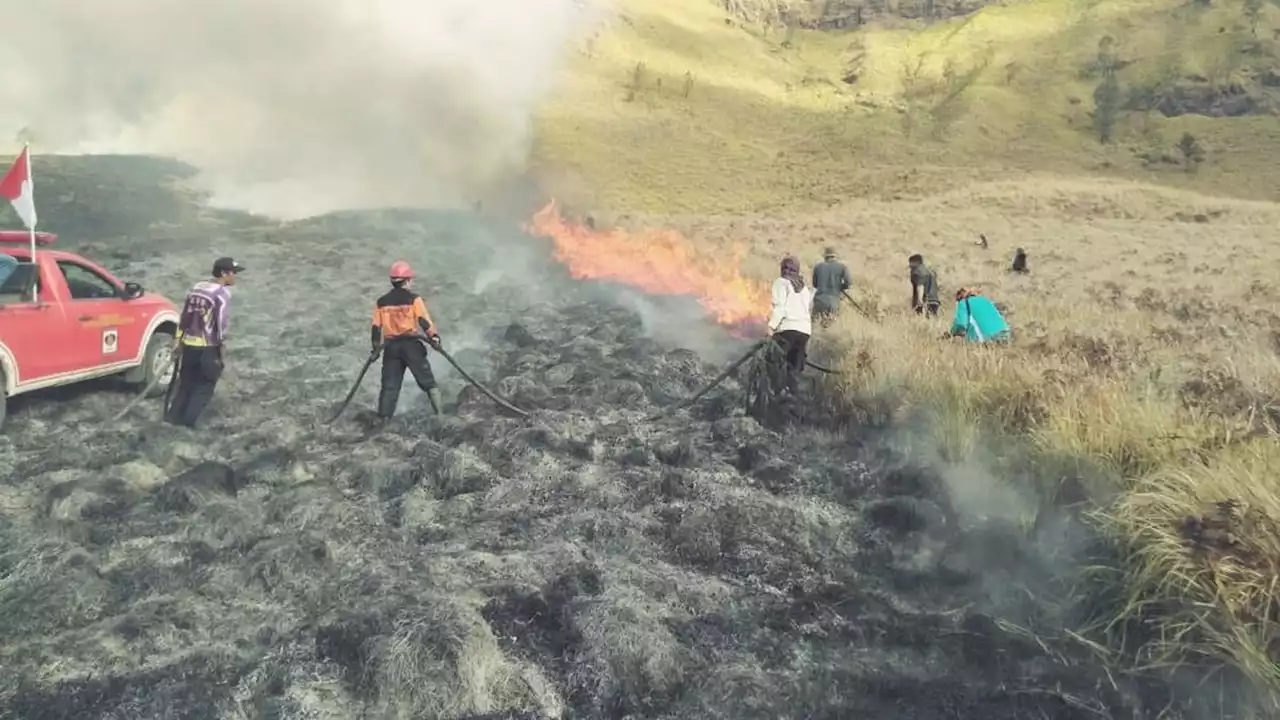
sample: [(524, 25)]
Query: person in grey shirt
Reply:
[(924, 287), (831, 279)]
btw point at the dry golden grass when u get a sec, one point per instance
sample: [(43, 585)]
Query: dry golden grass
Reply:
[(1145, 366)]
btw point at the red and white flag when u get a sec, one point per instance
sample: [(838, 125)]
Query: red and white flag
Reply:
[(17, 186)]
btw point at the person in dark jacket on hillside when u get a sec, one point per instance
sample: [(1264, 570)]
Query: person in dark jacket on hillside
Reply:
[(831, 279), (1020, 262)]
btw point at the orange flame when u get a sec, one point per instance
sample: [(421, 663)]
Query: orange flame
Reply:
[(661, 262)]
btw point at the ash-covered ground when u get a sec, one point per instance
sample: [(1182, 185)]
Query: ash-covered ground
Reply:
[(579, 563)]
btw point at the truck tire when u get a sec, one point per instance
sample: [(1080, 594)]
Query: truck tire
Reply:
[(156, 365)]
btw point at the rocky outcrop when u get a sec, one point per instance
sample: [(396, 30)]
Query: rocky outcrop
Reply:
[(1232, 100), (1269, 77), (1197, 95), (842, 14)]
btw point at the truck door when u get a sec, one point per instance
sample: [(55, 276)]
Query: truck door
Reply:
[(104, 329), (33, 332)]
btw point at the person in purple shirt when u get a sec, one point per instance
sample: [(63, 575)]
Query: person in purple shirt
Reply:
[(200, 343)]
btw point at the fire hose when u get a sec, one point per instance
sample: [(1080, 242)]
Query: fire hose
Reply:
[(854, 303), (719, 379), (751, 352), (354, 387), (821, 369), (174, 362), (443, 353), (476, 383)]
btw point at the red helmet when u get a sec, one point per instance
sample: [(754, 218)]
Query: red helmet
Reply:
[(400, 270)]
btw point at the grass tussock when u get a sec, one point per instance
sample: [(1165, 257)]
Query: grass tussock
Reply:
[(1205, 547), (452, 647)]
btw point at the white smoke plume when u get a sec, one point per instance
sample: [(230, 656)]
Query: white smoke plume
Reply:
[(292, 107)]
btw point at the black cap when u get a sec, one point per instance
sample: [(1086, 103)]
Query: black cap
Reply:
[(226, 265)]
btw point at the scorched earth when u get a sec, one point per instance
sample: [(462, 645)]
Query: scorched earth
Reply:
[(582, 562)]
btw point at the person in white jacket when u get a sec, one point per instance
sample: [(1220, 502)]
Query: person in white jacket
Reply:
[(791, 320)]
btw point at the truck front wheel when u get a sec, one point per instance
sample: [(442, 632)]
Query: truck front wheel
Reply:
[(157, 361)]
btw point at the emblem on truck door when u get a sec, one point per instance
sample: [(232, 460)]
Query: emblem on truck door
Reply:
[(110, 341)]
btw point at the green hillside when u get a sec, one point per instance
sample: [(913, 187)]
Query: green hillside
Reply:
[(679, 106)]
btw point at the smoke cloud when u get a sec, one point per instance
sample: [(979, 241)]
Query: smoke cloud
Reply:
[(293, 107)]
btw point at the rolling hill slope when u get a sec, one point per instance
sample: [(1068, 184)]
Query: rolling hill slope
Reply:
[(679, 106)]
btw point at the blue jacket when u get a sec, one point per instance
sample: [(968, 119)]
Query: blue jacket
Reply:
[(979, 320), (7, 265)]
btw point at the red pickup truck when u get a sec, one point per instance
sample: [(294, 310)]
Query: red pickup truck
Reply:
[(80, 323)]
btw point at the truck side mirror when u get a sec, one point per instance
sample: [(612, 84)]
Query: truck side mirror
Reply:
[(132, 291)]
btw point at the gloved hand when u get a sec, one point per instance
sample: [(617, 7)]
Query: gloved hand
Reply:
[(434, 340), (375, 351)]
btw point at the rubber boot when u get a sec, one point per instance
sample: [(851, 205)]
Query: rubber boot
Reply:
[(437, 404)]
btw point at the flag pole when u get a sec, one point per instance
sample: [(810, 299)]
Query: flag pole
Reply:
[(31, 230)]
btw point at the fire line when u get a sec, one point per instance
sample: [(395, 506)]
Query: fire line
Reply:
[(660, 262)]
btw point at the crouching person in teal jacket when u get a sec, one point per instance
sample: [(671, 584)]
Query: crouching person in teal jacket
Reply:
[(977, 319)]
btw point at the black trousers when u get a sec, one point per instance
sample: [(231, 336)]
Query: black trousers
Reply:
[(795, 345), (197, 379), (398, 355)]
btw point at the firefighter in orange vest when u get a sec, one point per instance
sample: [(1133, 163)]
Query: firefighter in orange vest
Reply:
[(400, 324)]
